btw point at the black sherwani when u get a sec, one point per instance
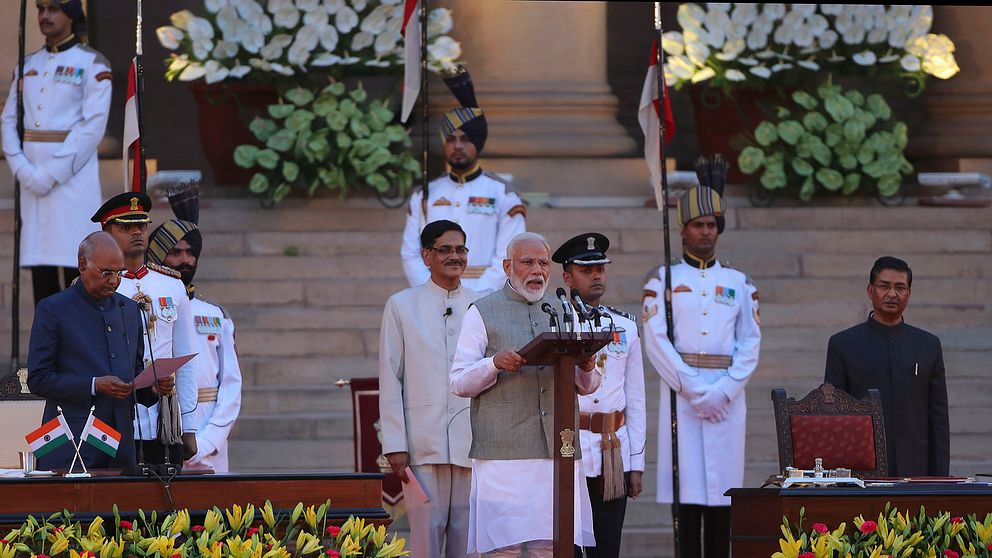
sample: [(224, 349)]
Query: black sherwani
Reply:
[(906, 365), (74, 339)]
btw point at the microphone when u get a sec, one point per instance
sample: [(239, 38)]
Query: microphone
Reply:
[(553, 321), (139, 470), (167, 468), (567, 309), (584, 312), (447, 312)]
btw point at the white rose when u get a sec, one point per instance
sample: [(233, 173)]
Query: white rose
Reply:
[(744, 14), (828, 39), (251, 39), (239, 71), (844, 22), (333, 6), (359, 5), (719, 6), (214, 6), (697, 52), (375, 22), (670, 79), (200, 29), (444, 50), (263, 23), (395, 23), (298, 55), (756, 39), (362, 40), (228, 20), (386, 43), (764, 23), (760, 71), (214, 72), (249, 10), (898, 37), (225, 49), (193, 71), (731, 50), (317, 19), (181, 19), (325, 59), (271, 51), (169, 36), (275, 5), (748, 61), (281, 69), (177, 63), (716, 30), (832, 9), (282, 40), (855, 35), (735, 75), (806, 10), (439, 22), (681, 67), (703, 75), (307, 5), (263, 65), (774, 11), (818, 24), (307, 38), (766, 54), (784, 33), (201, 49), (329, 38), (671, 42), (346, 19), (865, 58), (287, 16), (877, 35), (690, 17), (803, 36)]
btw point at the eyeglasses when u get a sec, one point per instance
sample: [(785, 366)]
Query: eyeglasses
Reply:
[(106, 274), (447, 250), (529, 263), (899, 289)]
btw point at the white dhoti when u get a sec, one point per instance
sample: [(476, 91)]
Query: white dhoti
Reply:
[(512, 503), (444, 520)]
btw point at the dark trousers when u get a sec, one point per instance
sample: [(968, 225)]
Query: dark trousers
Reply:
[(715, 541), (46, 280), (607, 520), (154, 452)]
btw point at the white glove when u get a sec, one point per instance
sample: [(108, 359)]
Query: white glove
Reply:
[(204, 449), (710, 401), (37, 180), (720, 415)]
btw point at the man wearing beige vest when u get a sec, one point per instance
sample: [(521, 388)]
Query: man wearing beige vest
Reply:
[(425, 428), (512, 412)]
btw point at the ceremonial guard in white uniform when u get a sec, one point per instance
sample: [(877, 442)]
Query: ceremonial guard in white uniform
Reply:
[(482, 202), (169, 320), (424, 425), (177, 243), (717, 339), (66, 102), (612, 419)]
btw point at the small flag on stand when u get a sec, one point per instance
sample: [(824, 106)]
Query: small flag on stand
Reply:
[(411, 57), (648, 115), (101, 436), (50, 436), (132, 132)]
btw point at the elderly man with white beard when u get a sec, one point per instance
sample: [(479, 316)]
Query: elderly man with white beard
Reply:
[(512, 412)]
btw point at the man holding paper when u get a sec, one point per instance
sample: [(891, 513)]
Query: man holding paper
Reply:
[(84, 352)]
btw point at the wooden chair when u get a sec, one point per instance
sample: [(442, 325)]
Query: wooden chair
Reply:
[(831, 424)]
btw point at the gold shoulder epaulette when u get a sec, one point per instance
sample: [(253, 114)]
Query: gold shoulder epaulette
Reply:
[(164, 270)]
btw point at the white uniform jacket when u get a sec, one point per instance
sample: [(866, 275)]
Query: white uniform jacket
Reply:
[(417, 343), (69, 92), (217, 368), (621, 389), (715, 312), (489, 211), (171, 336)]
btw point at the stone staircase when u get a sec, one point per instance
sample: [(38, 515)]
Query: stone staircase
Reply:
[(306, 283)]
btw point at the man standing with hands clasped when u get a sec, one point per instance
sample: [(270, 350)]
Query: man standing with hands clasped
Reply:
[(612, 418), (424, 426)]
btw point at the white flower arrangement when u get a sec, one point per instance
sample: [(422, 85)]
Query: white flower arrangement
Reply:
[(238, 38), (759, 44)]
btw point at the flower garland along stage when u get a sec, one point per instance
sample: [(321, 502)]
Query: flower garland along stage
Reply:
[(894, 534), (233, 533)]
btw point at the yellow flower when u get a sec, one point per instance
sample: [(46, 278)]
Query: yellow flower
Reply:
[(378, 536), (310, 516), (91, 544), (307, 543), (112, 549), (350, 547), (180, 523), (394, 549), (277, 552), (7, 550), (211, 521), (59, 544), (96, 528), (268, 516), (235, 517)]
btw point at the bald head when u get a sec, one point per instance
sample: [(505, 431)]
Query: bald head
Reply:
[(100, 260)]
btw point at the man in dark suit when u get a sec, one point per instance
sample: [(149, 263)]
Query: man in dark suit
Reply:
[(85, 351), (906, 365)]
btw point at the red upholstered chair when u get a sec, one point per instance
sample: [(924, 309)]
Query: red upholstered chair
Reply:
[(831, 424)]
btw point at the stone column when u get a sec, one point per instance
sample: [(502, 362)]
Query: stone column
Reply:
[(540, 75), (958, 111)]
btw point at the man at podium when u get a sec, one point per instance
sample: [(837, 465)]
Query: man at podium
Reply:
[(512, 412)]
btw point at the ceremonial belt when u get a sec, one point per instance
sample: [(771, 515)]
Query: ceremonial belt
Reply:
[(46, 136), (206, 395), (602, 423), (699, 360), (474, 271)]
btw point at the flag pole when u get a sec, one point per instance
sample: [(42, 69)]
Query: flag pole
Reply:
[(669, 319), (425, 124), (15, 302), (139, 96)]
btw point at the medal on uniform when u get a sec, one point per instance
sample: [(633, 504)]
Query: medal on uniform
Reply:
[(479, 204), (145, 304), (207, 325), (725, 295), (618, 344), (167, 308)]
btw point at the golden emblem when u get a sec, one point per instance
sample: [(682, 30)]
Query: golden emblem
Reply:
[(567, 437), (134, 204)]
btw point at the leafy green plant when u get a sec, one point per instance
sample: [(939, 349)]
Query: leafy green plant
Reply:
[(335, 139), (834, 141)]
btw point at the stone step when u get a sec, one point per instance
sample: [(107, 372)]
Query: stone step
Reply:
[(269, 371), (250, 456), (294, 426), (316, 398)]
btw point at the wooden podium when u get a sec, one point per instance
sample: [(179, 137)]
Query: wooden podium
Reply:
[(564, 351)]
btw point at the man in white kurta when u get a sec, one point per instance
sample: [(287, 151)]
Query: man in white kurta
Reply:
[(612, 419), (424, 426), (169, 318), (482, 202), (512, 412), (66, 102), (717, 339)]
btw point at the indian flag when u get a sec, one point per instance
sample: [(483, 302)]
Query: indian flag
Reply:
[(101, 436), (51, 435)]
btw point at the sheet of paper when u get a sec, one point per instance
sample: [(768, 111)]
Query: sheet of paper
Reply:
[(418, 489), (163, 367)]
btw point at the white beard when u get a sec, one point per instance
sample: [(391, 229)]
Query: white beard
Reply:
[(530, 295)]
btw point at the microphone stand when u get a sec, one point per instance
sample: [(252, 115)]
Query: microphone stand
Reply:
[(167, 469), (142, 468)]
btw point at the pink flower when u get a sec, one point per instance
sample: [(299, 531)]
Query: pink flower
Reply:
[(950, 553), (333, 530), (957, 520), (331, 553), (807, 555), (251, 531), (869, 527), (820, 528), (126, 525), (197, 528)]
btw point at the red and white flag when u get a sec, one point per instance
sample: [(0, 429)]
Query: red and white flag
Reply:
[(132, 133), (411, 57), (648, 115)]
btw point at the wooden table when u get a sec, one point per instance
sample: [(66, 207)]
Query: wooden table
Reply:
[(756, 513), (358, 494)]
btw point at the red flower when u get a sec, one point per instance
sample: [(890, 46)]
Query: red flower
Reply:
[(126, 525), (869, 527), (197, 528), (43, 556), (950, 554), (988, 546), (57, 530), (820, 528), (251, 531), (333, 530), (957, 520), (331, 553), (3, 541), (807, 555), (176, 555)]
